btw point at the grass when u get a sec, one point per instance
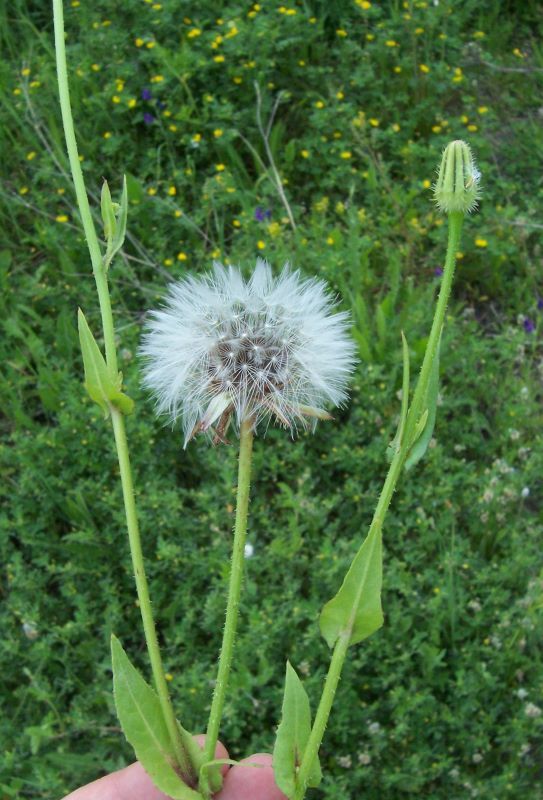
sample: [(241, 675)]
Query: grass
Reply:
[(359, 103)]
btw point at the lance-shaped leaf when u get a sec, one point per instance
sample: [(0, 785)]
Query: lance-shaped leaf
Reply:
[(292, 736), (425, 426), (108, 214), (115, 217), (356, 609), (99, 382), (122, 217), (142, 721), (397, 442), (101, 385)]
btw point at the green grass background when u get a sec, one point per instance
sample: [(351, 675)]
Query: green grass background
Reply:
[(441, 700)]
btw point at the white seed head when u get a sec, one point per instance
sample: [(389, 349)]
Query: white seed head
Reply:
[(224, 349), (458, 183)]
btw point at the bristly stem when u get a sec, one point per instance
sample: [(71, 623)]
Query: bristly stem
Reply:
[(342, 644), (181, 740), (456, 218), (236, 575)]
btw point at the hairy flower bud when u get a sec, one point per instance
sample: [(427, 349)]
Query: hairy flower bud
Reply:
[(457, 186)]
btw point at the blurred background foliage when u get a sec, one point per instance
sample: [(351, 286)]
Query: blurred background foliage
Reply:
[(308, 133)]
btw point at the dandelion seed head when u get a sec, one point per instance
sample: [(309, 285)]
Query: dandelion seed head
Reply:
[(224, 350)]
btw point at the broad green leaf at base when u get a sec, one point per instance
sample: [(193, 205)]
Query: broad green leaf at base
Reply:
[(292, 736), (140, 715)]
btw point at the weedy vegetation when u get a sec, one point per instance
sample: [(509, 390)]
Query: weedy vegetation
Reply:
[(307, 133)]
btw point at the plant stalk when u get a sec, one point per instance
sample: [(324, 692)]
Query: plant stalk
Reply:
[(456, 218), (342, 645), (182, 741), (186, 749), (234, 590)]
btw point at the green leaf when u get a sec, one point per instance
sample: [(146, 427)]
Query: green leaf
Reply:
[(140, 715), (356, 609), (108, 214), (426, 424), (396, 443), (114, 216), (120, 234), (100, 384), (98, 380), (292, 736)]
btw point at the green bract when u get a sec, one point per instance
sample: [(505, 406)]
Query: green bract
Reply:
[(457, 186)]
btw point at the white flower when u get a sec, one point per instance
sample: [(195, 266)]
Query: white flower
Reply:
[(224, 348)]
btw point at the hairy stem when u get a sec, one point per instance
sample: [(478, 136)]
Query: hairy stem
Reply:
[(187, 751), (389, 486), (80, 191), (342, 644), (234, 590)]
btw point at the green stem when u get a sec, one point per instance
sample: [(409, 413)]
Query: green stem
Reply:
[(389, 486), (342, 644), (236, 575), (81, 194), (181, 739), (456, 219), (187, 751)]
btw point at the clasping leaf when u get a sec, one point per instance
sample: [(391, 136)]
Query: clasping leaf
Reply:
[(426, 423), (142, 721), (292, 736), (397, 442), (102, 386), (356, 609), (114, 217)]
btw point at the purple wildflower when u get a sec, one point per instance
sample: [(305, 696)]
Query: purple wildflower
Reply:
[(540, 303), (148, 118), (438, 272), (146, 94), (262, 214), (529, 325)]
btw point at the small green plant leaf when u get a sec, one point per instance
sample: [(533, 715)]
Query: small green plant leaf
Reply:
[(108, 214), (98, 380), (292, 736), (397, 442), (140, 715), (356, 610), (425, 426), (100, 384), (115, 217), (122, 217)]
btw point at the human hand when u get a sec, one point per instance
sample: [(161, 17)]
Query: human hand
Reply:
[(241, 782)]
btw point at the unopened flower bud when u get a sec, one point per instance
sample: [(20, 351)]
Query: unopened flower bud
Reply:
[(457, 186)]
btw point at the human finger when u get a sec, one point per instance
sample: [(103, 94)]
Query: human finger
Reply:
[(131, 783), (246, 782)]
